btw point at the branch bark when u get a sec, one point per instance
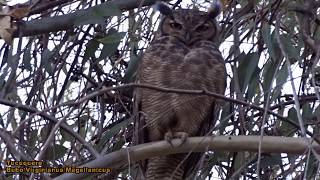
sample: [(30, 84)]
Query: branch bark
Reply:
[(270, 144), (65, 22)]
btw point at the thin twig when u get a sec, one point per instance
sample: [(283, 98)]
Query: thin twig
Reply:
[(264, 118), (295, 96), (48, 117)]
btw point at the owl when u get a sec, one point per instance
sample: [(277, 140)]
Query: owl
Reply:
[(184, 55)]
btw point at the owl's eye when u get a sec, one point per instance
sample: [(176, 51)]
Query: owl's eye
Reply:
[(202, 28), (175, 25)]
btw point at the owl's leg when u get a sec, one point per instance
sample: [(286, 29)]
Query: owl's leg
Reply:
[(180, 135)]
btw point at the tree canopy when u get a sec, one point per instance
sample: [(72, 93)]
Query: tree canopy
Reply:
[(67, 75)]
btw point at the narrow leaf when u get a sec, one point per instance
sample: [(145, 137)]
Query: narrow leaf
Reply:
[(130, 73), (26, 59), (45, 60), (98, 14), (110, 43), (91, 48), (291, 51), (266, 35), (248, 64)]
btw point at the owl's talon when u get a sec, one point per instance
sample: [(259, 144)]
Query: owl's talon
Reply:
[(180, 135), (168, 137)]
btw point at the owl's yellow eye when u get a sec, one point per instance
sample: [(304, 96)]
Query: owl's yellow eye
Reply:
[(175, 25)]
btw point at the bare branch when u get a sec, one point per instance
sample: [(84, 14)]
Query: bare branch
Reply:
[(65, 22)]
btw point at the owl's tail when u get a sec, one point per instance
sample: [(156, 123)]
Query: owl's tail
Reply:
[(166, 167)]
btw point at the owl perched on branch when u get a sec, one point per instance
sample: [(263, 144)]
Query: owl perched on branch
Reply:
[(184, 55)]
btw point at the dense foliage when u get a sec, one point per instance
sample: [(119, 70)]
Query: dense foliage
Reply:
[(61, 61)]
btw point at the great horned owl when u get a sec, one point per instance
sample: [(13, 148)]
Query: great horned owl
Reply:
[(184, 55)]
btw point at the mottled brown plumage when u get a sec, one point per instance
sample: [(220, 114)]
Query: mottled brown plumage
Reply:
[(184, 55)]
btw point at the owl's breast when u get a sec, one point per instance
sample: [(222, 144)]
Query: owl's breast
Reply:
[(170, 63)]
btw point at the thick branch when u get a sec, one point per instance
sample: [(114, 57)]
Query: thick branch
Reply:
[(65, 22), (270, 144)]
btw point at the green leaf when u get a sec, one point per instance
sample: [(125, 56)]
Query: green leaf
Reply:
[(91, 48), (44, 133), (56, 151), (286, 128), (276, 93), (130, 73), (33, 138), (282, 76), (219, 156), (268, 72), (240, 160), (112, 38), (271, 160), (253, 87), (118, 145), (111, 133), (307, 112), (91, 18), (98, 14), (108, 50), (317, 112), (45, 60), (292, 158), (292, 114), (26, 61), (225, 116), (110, 43), (313, 164), (3, 76), (248, 63), (292, 52), (66, 136), (109, 9), (266, 35), (64, 68)]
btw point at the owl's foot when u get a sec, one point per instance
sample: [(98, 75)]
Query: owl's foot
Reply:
[(180, 135)]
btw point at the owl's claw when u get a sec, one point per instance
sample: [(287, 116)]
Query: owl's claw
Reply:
[(181, 135), (168, 137)]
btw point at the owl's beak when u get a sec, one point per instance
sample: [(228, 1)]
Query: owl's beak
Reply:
[(187, 37)]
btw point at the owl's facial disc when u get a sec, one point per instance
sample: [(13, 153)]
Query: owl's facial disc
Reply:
[(202, 27), (189, 26), (175, 25)]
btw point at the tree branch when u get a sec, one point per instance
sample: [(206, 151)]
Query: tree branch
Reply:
[(180, 91), (65, 22), (270, 144), (52, 119)]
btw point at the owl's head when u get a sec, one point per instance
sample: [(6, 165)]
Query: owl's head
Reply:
[(190, 25)]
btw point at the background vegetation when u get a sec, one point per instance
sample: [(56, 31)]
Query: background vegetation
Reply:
[(62, 63)]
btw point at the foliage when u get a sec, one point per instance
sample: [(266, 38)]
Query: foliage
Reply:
[(49, 70)]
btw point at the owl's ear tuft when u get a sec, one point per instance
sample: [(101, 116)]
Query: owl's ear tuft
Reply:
[(215, 9), (163, 8)]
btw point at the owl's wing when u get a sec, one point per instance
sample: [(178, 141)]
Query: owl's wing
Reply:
[(139, 133), (193, 163), (216, 74)]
